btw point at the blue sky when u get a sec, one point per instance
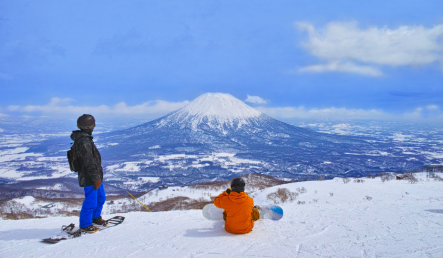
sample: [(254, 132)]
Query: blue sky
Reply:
[(290, 59)]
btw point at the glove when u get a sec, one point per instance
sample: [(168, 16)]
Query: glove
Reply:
[(228, 191), (255, 213), (224, 215), (97, 184)]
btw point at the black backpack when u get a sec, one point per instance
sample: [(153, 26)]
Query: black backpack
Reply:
[(74, 165)]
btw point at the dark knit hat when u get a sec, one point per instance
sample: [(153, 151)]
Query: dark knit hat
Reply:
[(238, 185)]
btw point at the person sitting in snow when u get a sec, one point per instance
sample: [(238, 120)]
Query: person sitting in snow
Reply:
[(240, 212), (90, 175)]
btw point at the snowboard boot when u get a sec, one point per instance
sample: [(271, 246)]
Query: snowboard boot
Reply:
[(100, 221), (90, 229)]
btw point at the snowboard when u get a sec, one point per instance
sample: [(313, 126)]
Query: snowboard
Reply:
[(71, 231), (272, 212)]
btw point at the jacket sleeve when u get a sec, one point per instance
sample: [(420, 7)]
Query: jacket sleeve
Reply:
[(84, 151), (218, 201)]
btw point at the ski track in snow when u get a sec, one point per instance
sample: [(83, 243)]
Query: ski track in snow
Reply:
[(392, 224)]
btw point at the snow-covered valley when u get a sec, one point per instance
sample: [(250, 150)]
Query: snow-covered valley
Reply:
[(332, 218)]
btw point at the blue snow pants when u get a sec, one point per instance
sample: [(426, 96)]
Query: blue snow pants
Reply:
[(92, 205)]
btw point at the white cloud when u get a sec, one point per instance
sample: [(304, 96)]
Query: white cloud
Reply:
[(346, 47), (255, 100), (416, 114), (59, 106), (342, 67), (432, 107), (430, 112)]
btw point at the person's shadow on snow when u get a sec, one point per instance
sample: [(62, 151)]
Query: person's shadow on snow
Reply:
[(217, 230), (22, 234), (436, 211)]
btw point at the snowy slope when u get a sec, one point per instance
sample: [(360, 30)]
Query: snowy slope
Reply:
[(401, 220)]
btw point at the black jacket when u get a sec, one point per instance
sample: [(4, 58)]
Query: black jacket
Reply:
[(88, 157)]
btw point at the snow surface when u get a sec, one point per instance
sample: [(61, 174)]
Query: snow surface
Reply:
[(221, 105), (15, 154), (149, 179), (58, 187), (177, 161), (26, 200), (337, 220)]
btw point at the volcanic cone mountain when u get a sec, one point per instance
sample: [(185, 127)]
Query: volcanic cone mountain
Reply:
[(220, 123), (217, 122)]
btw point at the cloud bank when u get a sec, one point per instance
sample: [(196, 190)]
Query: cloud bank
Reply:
[(155, 109), (332, 112), (345, 47), (60, 106), (429, 113)]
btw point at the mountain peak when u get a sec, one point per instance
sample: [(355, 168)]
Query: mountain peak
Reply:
[(221, 106), (216, 110)]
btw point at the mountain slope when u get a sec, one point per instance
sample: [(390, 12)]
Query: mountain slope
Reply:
[(215, 121), (401, 220), (220, 123)]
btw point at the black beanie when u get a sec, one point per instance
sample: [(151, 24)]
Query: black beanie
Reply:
[(238, 185)]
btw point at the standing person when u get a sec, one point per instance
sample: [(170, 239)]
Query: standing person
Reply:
[(90, 174), (240, 212)]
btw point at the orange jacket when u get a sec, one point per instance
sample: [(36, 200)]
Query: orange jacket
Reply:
[(238, 207)]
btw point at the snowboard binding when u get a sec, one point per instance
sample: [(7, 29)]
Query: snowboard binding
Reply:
[(70, 231), (68, 228), (74, 233)]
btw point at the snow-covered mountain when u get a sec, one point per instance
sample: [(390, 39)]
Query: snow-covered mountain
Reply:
[(217, 136), (217, 111), (215, 119)]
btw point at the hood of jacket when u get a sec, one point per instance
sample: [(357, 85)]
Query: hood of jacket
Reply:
[(79, 134), (238, 197)]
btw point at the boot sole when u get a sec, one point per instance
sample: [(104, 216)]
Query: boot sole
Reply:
[(87, 231)]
